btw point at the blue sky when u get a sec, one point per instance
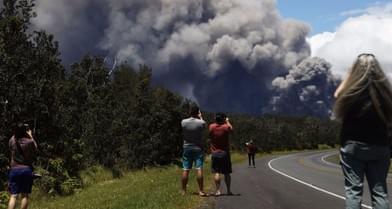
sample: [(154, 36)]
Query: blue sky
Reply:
[(322, 15)]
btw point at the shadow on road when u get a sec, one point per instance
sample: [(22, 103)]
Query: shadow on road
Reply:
[(213, 195), (234, 194)]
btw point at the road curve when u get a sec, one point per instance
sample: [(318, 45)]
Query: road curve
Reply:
[(296, 181)]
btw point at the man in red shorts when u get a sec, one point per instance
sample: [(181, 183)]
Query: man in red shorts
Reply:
[(220, 151)]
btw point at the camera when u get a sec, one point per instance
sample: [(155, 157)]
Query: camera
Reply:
[(26, 126)]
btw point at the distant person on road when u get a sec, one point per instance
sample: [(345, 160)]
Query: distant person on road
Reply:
[(220, 151), (364, 104), (192, 129), (251, 150), (20, 180)]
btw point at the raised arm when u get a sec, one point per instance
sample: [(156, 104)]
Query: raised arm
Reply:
[(229, 124)]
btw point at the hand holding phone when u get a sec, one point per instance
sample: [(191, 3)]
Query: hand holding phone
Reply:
[(30, 133), (199, 115)]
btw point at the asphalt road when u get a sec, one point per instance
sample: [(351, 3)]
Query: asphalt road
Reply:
[(296, 181)]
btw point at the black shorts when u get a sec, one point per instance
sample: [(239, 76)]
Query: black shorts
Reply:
[(221, 162)]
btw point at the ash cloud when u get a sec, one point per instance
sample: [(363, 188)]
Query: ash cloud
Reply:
[(306, 90), (77, 25), (223, 54)]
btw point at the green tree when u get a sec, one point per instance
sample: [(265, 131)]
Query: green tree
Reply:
[(29, 73)]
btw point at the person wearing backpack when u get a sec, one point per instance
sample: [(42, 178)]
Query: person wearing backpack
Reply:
[(23, 149), (251, 150)]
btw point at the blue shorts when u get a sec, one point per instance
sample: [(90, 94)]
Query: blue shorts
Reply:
[(20, 180), (192, 154)]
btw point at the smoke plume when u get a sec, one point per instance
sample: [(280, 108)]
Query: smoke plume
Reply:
[(223, 54), (306, 90)]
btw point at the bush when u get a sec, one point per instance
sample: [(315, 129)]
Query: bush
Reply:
[(71, 185), (55, 179), (46, 184), (4, 196), (324, 146)]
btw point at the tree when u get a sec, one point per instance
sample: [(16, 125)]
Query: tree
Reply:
[(29, 72)]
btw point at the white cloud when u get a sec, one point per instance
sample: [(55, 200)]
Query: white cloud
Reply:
[(366, 33)]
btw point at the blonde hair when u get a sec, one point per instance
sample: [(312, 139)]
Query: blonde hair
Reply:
[(366, 78)]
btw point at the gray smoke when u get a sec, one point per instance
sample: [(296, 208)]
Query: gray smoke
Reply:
[(78, 25), (223, 54), (306, 90)]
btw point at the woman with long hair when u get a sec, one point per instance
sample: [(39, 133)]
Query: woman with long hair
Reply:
[(364, 105)]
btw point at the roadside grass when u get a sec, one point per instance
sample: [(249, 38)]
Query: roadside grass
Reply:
[(151, 188), (333, 159)]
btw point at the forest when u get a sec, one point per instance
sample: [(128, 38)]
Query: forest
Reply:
[(89, 114)]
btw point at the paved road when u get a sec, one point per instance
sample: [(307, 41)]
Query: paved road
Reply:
[(296, 181)]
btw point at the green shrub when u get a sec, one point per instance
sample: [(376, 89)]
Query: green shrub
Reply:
[(4, 196), (70, 186), (323, 146), (46, 184)]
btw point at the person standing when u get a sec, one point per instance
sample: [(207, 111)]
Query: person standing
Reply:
[(220, 151), (251, 150), (192, 129), (364, 104), (23, 149)]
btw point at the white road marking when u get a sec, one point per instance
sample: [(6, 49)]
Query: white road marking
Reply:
[(305, 183), (329, 163)]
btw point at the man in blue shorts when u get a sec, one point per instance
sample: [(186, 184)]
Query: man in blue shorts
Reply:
[(192, 129), (20, 180)]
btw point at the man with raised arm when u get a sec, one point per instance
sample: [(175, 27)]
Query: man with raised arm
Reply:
[(192, 129), (220, 151)]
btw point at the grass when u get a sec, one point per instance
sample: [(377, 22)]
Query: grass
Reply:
[(151, 188), (333, 159)]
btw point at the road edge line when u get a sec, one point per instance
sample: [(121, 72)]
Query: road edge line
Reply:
[(305, 183), (328, 155)]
